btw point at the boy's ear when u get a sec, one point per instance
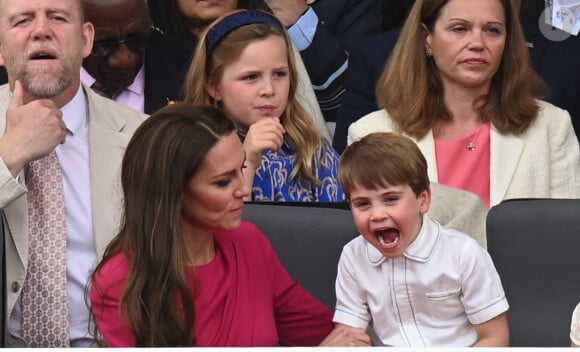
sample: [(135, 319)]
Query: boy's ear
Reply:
[(213, 90), (425, 200)]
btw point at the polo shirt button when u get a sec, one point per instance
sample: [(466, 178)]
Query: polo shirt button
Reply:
[(15, 286)]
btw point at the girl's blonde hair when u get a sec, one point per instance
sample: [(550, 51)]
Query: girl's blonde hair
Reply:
[(207, 68)]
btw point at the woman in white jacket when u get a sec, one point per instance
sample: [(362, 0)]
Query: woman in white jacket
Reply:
[(460, 84)]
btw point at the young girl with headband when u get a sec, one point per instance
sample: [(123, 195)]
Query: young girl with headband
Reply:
[(244, 64)]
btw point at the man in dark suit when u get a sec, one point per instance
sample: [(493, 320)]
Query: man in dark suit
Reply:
[(367, 62), (132, 61)]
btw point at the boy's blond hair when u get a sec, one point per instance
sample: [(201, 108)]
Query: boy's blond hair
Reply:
[(383, 158)]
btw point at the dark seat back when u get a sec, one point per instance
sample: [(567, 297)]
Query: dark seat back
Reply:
[(535, 245), (308, 238)]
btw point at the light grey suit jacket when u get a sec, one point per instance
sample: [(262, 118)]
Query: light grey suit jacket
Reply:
[(460, 210), (542, 162), (110, 128)]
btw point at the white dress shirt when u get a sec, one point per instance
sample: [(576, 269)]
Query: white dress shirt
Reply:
[(73, 156)]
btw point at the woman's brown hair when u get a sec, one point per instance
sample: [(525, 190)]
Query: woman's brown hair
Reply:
[(157, 304), (411, 91)]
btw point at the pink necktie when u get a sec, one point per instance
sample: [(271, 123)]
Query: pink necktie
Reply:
[(44, 293)]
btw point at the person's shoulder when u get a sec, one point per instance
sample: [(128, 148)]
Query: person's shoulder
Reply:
[(113, 106), (459, 209), (376, 121), (356, 247), (454, 240), (547, 108), (112, 271), (549, 116), (358, 253), (101, 105), (380, 116)]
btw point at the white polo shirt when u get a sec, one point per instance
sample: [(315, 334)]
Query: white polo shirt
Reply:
[(431, 296)]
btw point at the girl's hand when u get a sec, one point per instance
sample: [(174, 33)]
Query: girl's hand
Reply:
[(267, 134)]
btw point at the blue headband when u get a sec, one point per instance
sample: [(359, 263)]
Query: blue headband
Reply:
[(234, 21)]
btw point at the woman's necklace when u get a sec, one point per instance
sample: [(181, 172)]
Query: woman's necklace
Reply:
[(471, 140)]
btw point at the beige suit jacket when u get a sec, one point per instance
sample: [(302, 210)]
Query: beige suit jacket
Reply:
[(110, 128), (543, 162), (459, 210)]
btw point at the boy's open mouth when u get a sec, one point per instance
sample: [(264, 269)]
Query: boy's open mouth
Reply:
[(388, 238)]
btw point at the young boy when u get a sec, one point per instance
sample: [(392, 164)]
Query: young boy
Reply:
[(412, 281)]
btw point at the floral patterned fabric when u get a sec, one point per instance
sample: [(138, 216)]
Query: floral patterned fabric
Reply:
[(272, 181)]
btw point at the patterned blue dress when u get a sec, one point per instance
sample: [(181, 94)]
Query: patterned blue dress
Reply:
[(272, 180)]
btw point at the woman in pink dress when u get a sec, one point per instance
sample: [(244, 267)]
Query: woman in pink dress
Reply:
[(183, 269)]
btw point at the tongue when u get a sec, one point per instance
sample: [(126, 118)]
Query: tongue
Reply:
[(390, 236)]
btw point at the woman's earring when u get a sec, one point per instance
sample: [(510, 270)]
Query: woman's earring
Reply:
[(428, 53)]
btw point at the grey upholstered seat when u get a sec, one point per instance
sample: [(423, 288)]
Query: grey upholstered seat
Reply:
[(308, 238), (535, 245)]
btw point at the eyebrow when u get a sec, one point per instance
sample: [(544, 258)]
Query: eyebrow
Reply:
[(225, 173), (49, 11), (466, 21)]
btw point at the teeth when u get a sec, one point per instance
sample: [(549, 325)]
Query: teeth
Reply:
[(382, 240)]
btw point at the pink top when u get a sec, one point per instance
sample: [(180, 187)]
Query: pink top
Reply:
[(246, 298), (460, 167)]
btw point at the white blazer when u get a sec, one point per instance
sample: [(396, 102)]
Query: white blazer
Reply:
[(542, 162)]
